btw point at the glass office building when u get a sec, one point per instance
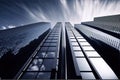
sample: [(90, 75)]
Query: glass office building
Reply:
[(89, 50)]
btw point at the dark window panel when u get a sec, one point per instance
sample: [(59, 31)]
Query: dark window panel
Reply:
[(47, 65), (29, 75), (44, 75), (48, 40), (54, 41), (43, 48), (41, 55), (50, 55), (53, 44), (34, 66), (52, 48), (46, 44)]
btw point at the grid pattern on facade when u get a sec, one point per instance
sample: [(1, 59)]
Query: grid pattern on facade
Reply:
[(44, 65), (96, 34), (85, 55)]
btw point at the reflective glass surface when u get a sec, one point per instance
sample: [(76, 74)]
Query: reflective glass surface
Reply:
[(43, 75), (83, 64), (74, 43), (50, 55), (84, 43), (78, 53), (92, 54), (87, 48), (76, 48), (41, 55), (47, 65), (102, 68), (29, 75), (52, 48), (87, 75)]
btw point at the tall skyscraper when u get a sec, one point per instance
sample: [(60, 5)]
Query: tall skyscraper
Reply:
[(90, 50)]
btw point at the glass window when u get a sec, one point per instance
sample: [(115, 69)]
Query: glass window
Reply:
[(102, 68), (44, 75), (76, 48), (33, 67), (50, 55), (84, 43), (79, 37), (47, 65), (53, 44), (73, 40), (29, 75), (72, 37), (52, 48), (48, 41), (87, 75), (81, 40), (43, 48), (74, 43), (87, 48), (55, 38), (50, 38), (55, 41), (83, 64), (41, 55), (46, 44), (92, 54), (78, 53)]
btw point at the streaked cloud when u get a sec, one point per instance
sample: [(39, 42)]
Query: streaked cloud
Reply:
[(75, 11)]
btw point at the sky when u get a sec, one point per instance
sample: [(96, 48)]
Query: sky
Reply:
[(15, 13)]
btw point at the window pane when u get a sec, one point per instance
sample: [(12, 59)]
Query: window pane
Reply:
[(29, 75), (54, 40), (46, 44), (48, 40), (79, 37), (102, 68), (87, 48), (92, 54), (47, 65), (41, 55), (33, 67), (53, 44), (52, 48), (78, 54), (43, 48), (76, 48), (87, 75), (74, 43), (50, 55), (81, 40), (72, 39), (83, 64), (44, 75), (84, 43)]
